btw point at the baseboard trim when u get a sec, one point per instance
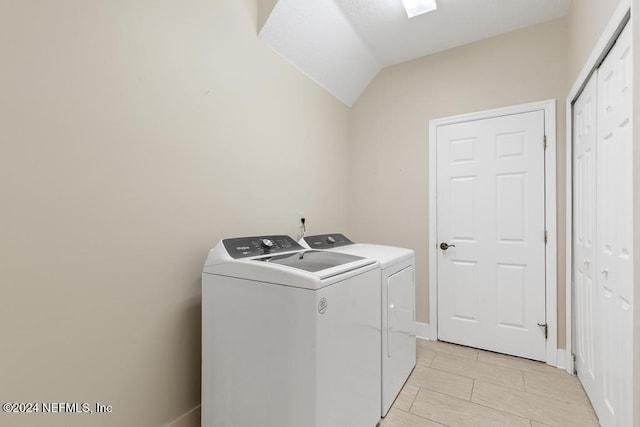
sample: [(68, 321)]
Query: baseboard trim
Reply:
[(561, 363), (565, 362), (423, 331), (191, 418)]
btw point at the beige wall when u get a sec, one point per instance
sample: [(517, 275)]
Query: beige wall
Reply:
[(134, 135), (390, 131), (587, 20)]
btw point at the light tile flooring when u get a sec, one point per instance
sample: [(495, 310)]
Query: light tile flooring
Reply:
[(456, 386)]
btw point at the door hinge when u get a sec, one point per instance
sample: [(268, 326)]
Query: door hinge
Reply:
[(545, 237), (546, 329), (575, 365), (545, 142)]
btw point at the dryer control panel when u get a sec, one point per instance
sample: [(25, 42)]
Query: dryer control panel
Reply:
[(327, 241), (245, 247)]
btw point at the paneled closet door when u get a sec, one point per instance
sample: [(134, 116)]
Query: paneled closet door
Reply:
[(615, 231), (584, 242)]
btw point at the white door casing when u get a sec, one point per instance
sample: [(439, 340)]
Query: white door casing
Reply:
[(490, 193), (584, 237), (614, 239)]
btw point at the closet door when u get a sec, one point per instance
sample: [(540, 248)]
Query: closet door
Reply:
[(584, 240), (615, 232)]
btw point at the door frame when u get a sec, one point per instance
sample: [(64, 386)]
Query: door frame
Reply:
[(549, 108), (620, 18)]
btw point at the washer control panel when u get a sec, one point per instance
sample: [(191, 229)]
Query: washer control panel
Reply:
[(245, 247), (327, 241)]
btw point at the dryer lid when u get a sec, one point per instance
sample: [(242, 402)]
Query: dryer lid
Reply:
[(385, 255)]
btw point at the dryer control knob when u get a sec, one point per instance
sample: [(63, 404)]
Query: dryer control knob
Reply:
[(267, 244), (330, 239)]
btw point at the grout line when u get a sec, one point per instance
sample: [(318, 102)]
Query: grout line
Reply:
[(451, 373), (509, 368), (569, 410), (486, 406), (573, 402), (475, 350), (501, 411), (414, 398), (479, 405), (424, 418), (487, 380)]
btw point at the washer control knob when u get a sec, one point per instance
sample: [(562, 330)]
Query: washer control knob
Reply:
[(331, 240), (267, 244)]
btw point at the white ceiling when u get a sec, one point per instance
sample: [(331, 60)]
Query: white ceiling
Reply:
[(343, 44)]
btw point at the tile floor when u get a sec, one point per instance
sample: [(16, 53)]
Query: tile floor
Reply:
[(456, 386)]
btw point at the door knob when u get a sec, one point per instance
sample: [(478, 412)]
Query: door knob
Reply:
[(444, 246), (605, 271)]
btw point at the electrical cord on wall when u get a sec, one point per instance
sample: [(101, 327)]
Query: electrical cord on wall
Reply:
[(302, 227)]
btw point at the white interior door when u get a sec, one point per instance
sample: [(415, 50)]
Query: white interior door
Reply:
[(615, 231), (584, 238), (490, 205)]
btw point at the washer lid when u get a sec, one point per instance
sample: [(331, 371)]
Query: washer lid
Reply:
[(313, 261)]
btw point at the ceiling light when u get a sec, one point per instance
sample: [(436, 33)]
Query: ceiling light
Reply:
[(418, 7)]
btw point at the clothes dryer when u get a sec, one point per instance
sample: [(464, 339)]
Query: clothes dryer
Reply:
[(397, 278)]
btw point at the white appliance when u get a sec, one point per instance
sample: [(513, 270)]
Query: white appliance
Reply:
[(290, 337), (397, 280)]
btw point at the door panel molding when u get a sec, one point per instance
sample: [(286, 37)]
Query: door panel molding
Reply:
[(610, 34), (586, 296), (510, 148)]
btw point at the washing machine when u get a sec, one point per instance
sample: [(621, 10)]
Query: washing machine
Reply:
[(290, 336), (397, 278)]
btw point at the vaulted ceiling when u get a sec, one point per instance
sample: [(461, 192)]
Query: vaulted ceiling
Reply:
[(343, 44)]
